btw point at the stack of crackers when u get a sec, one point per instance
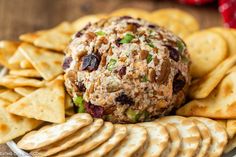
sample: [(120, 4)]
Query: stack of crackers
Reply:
[(32, 97)]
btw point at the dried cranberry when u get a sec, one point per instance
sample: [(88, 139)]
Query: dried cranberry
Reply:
[(124, 99), (95, 111), (117, 42), (174, 54), (122, 71), (125, 17), (81, 87), (178, 82), (78, 34), (66, 63), (91, 62), (152, 26)]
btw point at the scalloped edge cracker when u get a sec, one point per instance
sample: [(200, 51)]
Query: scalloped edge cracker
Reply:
[(46, 62), (46, 103)]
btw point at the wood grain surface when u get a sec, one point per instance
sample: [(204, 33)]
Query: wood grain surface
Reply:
[(21, 16)]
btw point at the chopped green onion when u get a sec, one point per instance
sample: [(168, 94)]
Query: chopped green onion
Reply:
[(149, 58), (100, 33), (180, 46), (144, 79), (133, 115), (151, 45), (127, 39), (80, 103), (111, 64), (185, 59)]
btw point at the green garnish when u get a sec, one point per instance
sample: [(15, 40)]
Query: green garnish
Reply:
[(127, 38), (113, 47), (144, 79), (149, 58), (180, 46), (111, 64), (80, 103), (133, 115), (185, 59), (151, 45), (100, 33)]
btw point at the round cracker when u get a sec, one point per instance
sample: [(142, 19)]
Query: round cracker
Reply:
[(173, 26), (119, 134), (133, 145), (91, 143), (158, 138), (188, 131), (81, 22), (133, 12), (79, 136), (207, 49), (205, 136), (180, 16), (52, 133), (174, 142), (218, 134), (228, 37)]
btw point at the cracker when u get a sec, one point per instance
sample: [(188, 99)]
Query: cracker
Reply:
[(71, 140), (7, 50), (47, 63), (180, 16), (218, 134), (188, 132), (46, 103), (81, 22), (24, 91), (231, 145), (53, 40), (12, 126), (134, 143), (119, 134), (228, 37), (17, 58), (203, 87), (174, 142), (220, 104), (205, 136), (231, 128), (31, 37), (10, 96), (10, 81), (91, 143), (25, 64), (205, 48), (52, 133), (133, 12), (25, 73), (173, 26), (159, 138)]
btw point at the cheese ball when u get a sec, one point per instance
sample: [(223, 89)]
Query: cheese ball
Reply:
[(126, 70)]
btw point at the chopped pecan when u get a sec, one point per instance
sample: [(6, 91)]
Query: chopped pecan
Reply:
[(164, 72), (155, 61), (143, 54), (90, 36), (151, 74), (103, 59)]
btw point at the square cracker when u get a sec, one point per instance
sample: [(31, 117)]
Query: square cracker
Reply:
[(46, 103), (25, 73), (10, 81), (7, 49), (46, 62), (10, 96), (12, 126)]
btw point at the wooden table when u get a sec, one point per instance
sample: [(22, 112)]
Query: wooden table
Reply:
[(21, 16)]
